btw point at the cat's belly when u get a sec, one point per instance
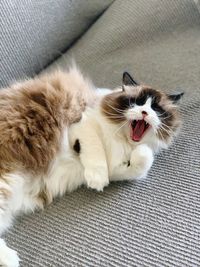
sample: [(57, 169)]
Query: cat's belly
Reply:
[(66, 175)]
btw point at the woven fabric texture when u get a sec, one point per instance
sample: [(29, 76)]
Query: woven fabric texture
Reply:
[(34, 33), (155, 222)]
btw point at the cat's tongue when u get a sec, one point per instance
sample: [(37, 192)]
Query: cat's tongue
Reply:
[(138, 130)]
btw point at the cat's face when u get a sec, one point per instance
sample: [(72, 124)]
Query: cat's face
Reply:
[(142, 111)]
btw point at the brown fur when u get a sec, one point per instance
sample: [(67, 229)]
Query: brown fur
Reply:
[(32, 116), (114, 104)]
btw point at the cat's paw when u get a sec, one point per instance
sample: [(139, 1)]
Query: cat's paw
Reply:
[(8, 256), (142, 160), (96, 178)]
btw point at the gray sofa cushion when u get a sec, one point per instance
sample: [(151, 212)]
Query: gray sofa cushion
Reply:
[(155, 222), (133, 35), (33, 33)]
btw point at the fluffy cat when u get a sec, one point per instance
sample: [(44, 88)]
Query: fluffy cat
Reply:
[(43, 153), (34, 118), (117, 139)]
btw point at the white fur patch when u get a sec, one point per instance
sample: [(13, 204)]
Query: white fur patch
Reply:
[(8, 256)]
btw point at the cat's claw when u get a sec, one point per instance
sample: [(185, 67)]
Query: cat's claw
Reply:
[(96, 179)]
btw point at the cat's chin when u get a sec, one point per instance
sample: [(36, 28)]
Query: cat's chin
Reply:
[(138, 128)]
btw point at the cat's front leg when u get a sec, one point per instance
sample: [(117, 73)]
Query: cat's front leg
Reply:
[(141, 160), (94, 162), (96, 177), (91, 154)]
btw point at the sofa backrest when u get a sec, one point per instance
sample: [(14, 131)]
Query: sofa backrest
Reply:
[(34, 33)]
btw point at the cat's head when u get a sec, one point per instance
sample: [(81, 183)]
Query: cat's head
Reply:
[(143, 113)]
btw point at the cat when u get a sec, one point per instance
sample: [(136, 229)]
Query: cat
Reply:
[(57, 133), (34, 117), (117, 139)]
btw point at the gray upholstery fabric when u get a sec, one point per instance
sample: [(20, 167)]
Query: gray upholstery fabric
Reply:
[(148, 38), (155, 222), (33, 33)]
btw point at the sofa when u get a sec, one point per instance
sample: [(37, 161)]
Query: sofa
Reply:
[(155, 222)]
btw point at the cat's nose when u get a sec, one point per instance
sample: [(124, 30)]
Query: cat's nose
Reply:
[(144, 113)]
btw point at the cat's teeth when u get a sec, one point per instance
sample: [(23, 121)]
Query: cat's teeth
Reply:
[(134, 122)]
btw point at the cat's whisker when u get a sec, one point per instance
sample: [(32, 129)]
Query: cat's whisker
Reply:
[(120, 127), (154, 129), (162, 114), (164, 130), (115, 118), (167, 117), (112, 114), (168, 131), (114, 108), (153, 124), (164, 124), (160, 134), (162, 127), (167, 127), (158, 131)]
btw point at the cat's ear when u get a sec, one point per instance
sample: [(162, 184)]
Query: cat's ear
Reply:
[(175, 97), (128, 80)]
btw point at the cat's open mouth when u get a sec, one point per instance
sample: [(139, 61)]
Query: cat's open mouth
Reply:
[(138, 129)]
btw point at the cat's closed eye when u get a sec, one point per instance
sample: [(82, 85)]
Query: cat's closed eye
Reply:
[(141, 100), (126, 101), (156, 107)]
